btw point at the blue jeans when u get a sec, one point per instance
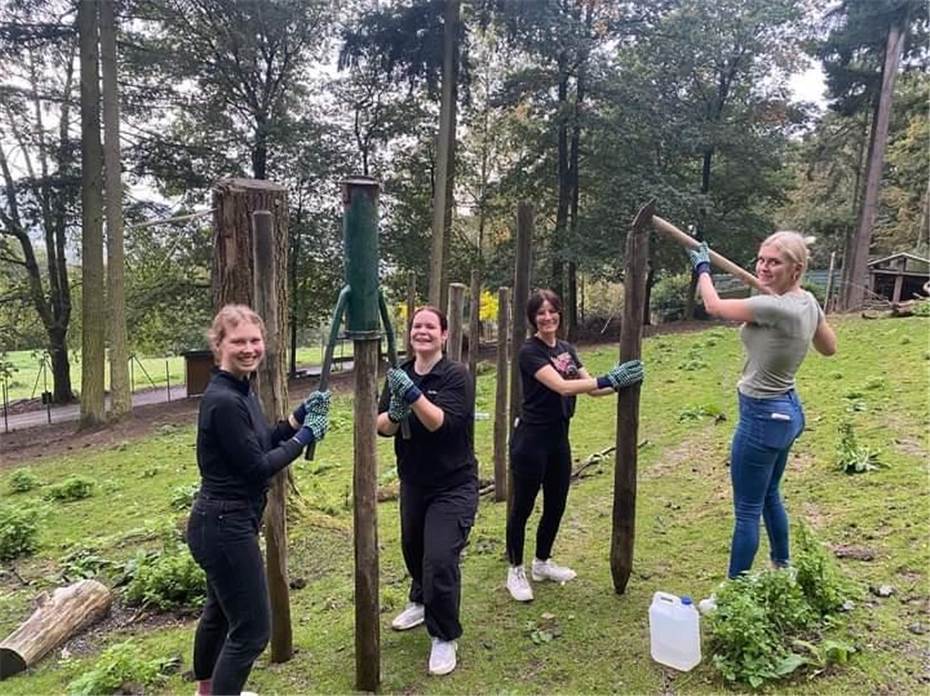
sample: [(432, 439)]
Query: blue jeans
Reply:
[(767, 428)]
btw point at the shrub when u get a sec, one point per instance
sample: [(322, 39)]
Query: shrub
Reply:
[(19, 532), (71, 489), (669, 295), (23, 481), (762, 620), (84, 562), (170, 580), (120, 667)]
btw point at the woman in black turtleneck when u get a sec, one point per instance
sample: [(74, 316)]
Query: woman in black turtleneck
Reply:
[(238, 453)]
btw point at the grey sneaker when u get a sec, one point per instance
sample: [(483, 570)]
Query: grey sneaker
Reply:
[(518, 585), (411, 617), (547, 570), (442, 658)]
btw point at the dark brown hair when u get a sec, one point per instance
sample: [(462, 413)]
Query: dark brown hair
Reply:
[(443, 322), (536, 301)]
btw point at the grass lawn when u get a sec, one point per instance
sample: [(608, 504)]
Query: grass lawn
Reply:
[(29, 380), (878, 380)]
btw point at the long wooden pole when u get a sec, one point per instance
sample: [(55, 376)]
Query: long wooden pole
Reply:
[(521, 292), (631, 336), (829, 289), (500, 401), (474, 323), (456, 319), (365, 490), (274, 404), (669, 230)]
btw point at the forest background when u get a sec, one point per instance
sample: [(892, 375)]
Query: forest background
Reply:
[(586, 108)]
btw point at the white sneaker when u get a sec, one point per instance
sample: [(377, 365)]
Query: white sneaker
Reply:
[(707, 605), (547, 570), (411, 617), (442, 656), (518, 585)]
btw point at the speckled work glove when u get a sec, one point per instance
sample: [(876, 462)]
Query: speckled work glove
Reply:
[(402, 386), (316, 419), (622, 375), (398, 409), (700, 259)]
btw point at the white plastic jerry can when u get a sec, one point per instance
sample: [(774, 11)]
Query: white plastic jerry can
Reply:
[(674, 631)]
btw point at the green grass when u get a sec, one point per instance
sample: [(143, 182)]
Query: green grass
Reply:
[(879, 380), (28, 380)]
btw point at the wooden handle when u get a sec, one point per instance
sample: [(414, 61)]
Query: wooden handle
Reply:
[(689, 242)]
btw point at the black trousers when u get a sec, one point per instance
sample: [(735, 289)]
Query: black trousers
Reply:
[(434, 527), (236, 622), (540, 457)]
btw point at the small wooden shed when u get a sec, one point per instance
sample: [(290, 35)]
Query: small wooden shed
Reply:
[(899, 276)]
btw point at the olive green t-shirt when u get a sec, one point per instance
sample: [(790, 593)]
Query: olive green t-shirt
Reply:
[(776, 342)]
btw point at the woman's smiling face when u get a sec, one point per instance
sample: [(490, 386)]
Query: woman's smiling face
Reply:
[(426, 333)]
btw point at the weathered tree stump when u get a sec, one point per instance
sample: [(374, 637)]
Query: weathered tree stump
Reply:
[(67, 611)]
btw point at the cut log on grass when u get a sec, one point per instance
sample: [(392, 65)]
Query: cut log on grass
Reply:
[(57, 618)]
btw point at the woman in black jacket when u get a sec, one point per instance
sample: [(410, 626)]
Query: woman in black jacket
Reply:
[(237, 454), (438, 480)]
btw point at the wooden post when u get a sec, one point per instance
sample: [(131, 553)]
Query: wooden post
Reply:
[(631, 337), (500, 402), (270, 384), (365, 491), (521, 293), (829, 290), (474, 324), (456, 319), (65, 613), (411, 308)]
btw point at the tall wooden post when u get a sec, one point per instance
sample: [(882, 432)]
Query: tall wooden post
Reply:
[(474, 323), (829, 289), (411, 308), (239, 277), (500, 402), (456, 319), (631, 338), (363, 320), (270, 384), (521, 293)]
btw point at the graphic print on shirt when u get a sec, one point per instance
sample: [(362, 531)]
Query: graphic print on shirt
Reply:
[(565, 365)]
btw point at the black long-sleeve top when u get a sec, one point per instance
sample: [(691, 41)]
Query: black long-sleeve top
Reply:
[(237, 451), (444, 458)]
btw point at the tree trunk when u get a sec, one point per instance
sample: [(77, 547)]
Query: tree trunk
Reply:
[(563, 182), (445, 166), (93, 343), (120, 394), (855, 290), (66, 612), (701, 224), (61, 367)]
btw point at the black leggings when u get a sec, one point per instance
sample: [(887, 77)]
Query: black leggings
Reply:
[(540, 457), (236, 621)]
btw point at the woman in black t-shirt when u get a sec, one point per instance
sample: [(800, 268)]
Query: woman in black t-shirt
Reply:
[(438, 480), (540, 456)]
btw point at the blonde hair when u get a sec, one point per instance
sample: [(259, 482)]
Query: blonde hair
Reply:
[(793, 245), (230, 316)]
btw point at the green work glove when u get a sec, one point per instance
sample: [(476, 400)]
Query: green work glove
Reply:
[(402, 386), (622, 375), (398, 409), (317, 418), (700, 259)]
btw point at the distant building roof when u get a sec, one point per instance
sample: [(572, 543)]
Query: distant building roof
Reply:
[(900, 254)]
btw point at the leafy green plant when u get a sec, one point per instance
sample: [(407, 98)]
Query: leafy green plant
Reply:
[(84, 562), (543, 631), (22, 481), (817, 574), (182, 497), (762, 618), (851, 458), (922, 308), (19, 532), (693, 413), (165, 581), (71, 489), (122, 666)]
